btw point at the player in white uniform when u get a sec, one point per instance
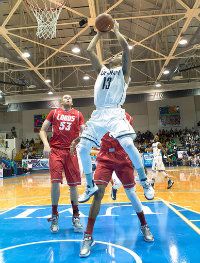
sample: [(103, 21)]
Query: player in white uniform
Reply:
[(109, 95), (158, 165)]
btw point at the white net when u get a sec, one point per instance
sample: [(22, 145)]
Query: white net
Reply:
[(47, 14)]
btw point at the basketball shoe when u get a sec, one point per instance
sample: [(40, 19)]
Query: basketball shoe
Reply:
[(86, 245), (90, 191), (76, 223), (54, 223), (148, 237), (170, 183), (148, 189)]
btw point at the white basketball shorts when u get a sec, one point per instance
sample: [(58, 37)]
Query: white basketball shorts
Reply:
[(105, 120)]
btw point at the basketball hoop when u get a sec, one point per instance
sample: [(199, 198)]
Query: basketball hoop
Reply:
[(47, 13)]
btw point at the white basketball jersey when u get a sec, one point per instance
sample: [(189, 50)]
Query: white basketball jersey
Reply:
[(110, 88), (156, 150)]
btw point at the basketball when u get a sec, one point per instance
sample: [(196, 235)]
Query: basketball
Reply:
[(104, 22)]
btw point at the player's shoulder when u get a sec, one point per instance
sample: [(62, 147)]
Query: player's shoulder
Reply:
[(57, 109), (52, 111)]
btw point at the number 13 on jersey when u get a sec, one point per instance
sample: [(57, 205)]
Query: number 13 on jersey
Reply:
[(106, 83)]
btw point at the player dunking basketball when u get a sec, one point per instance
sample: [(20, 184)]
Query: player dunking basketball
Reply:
[(67, 124), (109, 95), (112, 158)]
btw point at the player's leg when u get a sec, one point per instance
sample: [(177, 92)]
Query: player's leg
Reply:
[(125, 134), (88, 241), (90, 137), (154, 172), (102, 177), (78, 227), (116, 184), (56, 167), (83, 149), (170, 182), (73, 177), (153, 178), (161, 168), (136, 203), (125, 173), (134, 155)]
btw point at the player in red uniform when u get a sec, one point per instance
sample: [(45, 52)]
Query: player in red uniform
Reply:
[(67, 124), (113, 158)]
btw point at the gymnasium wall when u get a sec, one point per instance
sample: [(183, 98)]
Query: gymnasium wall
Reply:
[(197, 107), (146, 115)]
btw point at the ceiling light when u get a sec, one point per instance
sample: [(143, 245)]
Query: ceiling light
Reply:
[(158, 85), (26, 54), (50, 92), (3, 60), (130, 47), (76, 49), (86, 77), (183, 42), (47, 81), (166, 72)]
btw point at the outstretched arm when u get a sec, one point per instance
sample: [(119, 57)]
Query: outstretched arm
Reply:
[(126, 56), (93, 56)]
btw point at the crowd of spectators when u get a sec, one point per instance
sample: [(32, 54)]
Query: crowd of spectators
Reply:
[(183, 146), (32, 149)]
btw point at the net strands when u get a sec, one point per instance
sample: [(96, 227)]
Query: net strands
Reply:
[(47, 14)]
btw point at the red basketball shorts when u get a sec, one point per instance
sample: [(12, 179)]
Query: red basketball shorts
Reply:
[(107, 163), (60, 160)]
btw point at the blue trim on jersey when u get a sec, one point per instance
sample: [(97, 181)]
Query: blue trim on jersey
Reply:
[(84, 137)]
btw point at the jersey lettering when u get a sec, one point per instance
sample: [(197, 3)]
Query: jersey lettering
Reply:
[(62, 117)]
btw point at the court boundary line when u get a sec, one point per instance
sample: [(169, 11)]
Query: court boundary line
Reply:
[(109, 203), (28, 203), (8, 210), (127, 250), (187, 221), (184, 207)]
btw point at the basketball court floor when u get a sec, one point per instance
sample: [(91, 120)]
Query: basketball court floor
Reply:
[(174, 218)]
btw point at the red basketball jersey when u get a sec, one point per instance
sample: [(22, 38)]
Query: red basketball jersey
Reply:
[(108, 142), (65, 127)]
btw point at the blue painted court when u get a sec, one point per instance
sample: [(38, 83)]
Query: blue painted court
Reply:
[(25, 235)]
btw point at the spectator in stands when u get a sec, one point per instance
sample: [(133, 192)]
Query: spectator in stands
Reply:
[(13, 132), (23, 146), (32, 143)]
